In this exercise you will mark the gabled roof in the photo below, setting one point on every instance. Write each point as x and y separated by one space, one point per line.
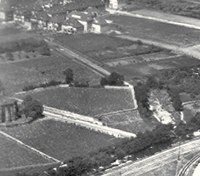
83 16
72 22
100 21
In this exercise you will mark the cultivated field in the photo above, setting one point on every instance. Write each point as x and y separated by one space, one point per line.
35 71
86 101
128 121
60 139
157 31
13 154
106 48
139 70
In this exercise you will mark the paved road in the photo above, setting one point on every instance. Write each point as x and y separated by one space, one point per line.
158 160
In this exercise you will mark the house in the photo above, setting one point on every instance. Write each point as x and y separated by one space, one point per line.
71 26
75 5
115 4
56 22
6 12
84 18
99 25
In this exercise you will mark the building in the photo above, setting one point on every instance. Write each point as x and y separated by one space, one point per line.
6 11
84 18
115 4
55 23
75 5
71 26
8 111
99 25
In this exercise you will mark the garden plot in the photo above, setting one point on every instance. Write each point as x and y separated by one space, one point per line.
139 70
60 139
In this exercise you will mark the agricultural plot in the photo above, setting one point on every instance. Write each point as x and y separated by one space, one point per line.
106 48
157 31
133 71
128 121
13 154
86 101
60 139
35 71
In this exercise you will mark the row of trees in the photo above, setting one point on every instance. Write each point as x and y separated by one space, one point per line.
27 45
113 79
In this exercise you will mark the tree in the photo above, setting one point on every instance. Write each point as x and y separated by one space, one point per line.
69 75
103 81
32 108
116 79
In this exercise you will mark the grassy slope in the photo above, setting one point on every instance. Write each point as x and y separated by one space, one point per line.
15 155
59 139
87 101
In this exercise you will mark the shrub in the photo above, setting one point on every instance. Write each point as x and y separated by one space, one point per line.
32 108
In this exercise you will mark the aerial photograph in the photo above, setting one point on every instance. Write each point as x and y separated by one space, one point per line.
99 87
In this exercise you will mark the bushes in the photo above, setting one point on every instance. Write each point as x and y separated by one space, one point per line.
42 85
27 45
114 79
32 108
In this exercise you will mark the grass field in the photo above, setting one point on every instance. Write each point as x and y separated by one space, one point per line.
59 139
157 31
15 155
86 101
35 71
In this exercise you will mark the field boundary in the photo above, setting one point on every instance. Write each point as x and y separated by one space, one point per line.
29 147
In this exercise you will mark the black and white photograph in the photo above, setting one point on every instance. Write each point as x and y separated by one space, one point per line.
99 87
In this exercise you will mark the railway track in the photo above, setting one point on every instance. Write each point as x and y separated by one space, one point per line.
183 171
